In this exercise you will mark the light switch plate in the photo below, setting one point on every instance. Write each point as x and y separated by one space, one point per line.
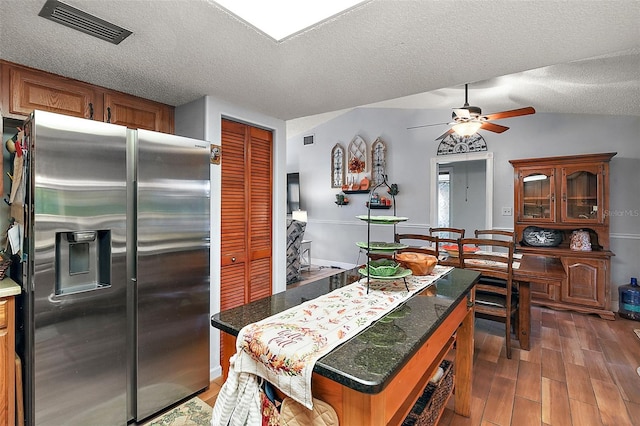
507 211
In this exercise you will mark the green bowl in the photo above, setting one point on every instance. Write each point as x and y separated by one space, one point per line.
383 267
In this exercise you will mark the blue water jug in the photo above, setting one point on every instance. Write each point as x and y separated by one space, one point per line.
630 300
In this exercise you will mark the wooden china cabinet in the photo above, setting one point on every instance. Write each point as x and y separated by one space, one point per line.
563 195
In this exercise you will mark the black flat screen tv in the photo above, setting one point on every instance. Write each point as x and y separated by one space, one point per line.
293 192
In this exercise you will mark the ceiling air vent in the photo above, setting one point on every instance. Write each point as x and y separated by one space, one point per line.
307 140
74 18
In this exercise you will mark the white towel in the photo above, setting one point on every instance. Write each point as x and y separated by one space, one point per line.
437 376
238 403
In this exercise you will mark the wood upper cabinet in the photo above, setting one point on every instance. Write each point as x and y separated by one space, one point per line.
24 89
536 199
567 194
563 193
137 113
28 89
582 193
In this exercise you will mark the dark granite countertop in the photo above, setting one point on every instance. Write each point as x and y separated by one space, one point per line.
369 361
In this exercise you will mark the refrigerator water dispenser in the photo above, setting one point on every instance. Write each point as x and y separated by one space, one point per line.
83 260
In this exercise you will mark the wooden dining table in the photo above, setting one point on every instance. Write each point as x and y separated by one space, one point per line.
533 269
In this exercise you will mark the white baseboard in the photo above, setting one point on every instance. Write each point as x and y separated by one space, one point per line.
215 372
330 263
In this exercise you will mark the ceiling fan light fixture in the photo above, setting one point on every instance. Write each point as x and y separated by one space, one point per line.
467 128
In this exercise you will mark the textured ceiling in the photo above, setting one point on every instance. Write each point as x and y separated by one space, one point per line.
558 56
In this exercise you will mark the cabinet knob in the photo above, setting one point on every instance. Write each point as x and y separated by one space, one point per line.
233 259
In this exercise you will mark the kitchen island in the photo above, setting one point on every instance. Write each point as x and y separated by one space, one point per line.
376 377
9 290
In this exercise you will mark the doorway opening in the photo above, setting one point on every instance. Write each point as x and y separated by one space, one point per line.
444 197
466 162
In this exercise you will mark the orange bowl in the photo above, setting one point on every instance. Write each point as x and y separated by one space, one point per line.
419 263
453 249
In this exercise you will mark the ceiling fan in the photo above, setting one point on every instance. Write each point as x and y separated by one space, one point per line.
467 119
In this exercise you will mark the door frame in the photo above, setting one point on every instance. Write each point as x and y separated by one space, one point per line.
455 158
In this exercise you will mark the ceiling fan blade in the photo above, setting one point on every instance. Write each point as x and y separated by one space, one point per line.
445 134
426 125
511 113
492 127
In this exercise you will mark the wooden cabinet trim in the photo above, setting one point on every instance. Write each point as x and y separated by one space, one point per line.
563 160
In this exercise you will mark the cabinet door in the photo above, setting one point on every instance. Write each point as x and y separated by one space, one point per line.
31 89
137 113
545 292
246 220
582 193
536 194
586 282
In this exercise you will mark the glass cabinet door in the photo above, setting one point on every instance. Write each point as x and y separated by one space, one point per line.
582 193
537 200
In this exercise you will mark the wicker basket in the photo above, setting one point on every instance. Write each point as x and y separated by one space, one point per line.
4 265
427 408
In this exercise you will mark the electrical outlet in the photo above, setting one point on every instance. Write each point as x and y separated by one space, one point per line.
507 211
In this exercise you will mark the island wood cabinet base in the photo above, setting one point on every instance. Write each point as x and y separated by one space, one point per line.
394 402
7 360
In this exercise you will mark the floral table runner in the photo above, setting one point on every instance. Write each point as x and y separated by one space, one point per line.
284 348
480 262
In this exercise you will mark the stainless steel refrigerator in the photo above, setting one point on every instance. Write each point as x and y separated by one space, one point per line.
115 271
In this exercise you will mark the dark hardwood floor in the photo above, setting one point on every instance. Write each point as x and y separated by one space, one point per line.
581 370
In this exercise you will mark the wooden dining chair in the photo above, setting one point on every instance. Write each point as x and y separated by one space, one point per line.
495 296
447 235
496 234
419 243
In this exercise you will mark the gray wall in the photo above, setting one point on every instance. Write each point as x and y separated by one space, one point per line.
334 230
467 186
